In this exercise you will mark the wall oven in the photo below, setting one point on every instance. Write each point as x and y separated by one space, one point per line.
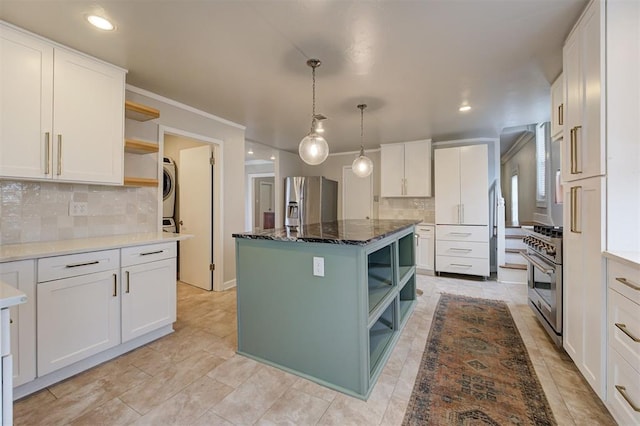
544 277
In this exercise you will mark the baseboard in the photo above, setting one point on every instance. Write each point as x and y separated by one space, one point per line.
228 284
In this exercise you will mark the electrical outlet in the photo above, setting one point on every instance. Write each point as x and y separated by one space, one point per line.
318 266
78 208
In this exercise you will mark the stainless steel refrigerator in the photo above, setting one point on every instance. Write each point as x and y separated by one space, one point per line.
309 199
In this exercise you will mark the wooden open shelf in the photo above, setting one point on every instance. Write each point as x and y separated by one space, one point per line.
140 112
134 146
137 181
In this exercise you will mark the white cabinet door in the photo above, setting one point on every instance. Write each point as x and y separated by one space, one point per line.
447 180
77 317
583 153
391 170
21 275
148 297
425 258
26 96
557 108
584 286
474 185
89 120
417 169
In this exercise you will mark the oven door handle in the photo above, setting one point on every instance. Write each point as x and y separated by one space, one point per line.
537 264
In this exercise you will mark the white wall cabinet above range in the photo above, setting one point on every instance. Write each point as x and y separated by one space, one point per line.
405 169
557 108
62 112
583 154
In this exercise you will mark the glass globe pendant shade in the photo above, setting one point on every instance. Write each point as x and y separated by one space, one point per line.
313 149
362 166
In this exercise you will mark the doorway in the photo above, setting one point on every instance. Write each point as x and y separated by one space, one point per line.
198 209
261 201
357 195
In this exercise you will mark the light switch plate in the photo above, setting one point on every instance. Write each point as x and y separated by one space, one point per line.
318 266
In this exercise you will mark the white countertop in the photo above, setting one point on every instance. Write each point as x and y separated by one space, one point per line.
9 296
631 258
12 252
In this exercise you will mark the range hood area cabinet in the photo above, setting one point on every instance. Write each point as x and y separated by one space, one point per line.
405 169
64 112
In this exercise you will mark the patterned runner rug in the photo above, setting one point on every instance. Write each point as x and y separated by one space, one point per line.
475 370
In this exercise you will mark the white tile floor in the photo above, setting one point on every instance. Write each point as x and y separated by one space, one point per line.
193 376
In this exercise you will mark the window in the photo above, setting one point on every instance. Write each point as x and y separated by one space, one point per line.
541 165
514 198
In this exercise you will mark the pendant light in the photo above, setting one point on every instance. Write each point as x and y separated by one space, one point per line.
313 148
362 166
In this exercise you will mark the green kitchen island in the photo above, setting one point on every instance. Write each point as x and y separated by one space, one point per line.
327 302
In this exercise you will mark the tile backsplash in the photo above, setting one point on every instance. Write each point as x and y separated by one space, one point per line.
423 209
39 211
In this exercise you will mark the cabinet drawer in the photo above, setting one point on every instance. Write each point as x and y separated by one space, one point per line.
425 230
623 381
462 233
624 327
624 279
73 265
462 249
462 265
148 253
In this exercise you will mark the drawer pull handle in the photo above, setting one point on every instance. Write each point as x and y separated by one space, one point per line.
115 285
128 289
151 252
623 328
459 249
627 283
623 392
460 234
461 265
75 265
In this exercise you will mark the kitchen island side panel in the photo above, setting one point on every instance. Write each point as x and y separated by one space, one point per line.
301 322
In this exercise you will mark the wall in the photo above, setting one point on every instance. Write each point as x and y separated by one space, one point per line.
187 119
39 211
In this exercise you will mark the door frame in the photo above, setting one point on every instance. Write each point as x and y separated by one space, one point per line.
250 194
217 146
349 169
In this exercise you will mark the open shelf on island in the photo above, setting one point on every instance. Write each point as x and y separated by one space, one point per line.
134 146
140 112
380 275
407 297
406 255
136 181
380 335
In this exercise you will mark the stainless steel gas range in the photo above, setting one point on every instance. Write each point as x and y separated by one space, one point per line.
544 277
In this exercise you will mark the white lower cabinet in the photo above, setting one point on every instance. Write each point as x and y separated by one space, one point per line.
623 326
462 249
21 275
148 289
77 317
425 247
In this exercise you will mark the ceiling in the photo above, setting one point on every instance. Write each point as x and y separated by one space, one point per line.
413 62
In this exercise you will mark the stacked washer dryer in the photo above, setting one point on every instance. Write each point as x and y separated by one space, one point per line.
169 184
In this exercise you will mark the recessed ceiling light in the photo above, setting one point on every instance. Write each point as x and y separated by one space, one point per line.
273 157
250 152
100 22
464 108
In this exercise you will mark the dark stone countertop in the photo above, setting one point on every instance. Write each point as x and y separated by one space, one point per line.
346 232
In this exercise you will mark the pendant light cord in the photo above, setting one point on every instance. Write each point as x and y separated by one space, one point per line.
362 107
313 99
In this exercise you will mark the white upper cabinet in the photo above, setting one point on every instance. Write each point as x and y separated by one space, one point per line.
557 108
26 101
62 112
406 169
462 180
583 153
